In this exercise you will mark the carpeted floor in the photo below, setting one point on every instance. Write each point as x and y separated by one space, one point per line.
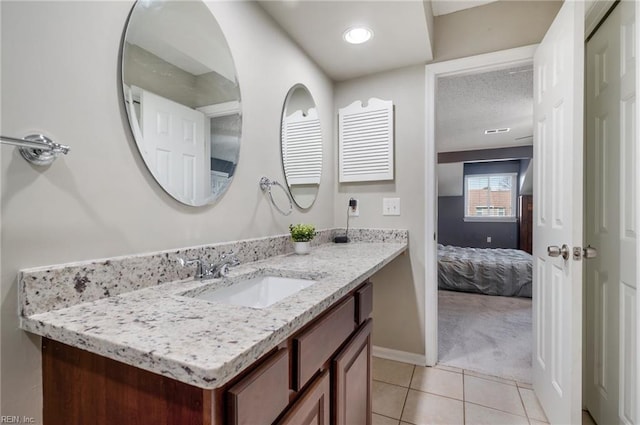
486 334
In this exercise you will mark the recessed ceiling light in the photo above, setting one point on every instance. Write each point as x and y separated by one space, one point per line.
357 35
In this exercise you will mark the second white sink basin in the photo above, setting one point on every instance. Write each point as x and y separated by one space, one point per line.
256 292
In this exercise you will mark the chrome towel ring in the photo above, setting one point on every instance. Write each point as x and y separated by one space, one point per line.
266 184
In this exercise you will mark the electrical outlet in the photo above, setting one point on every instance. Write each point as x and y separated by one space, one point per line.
390 206
354 211
488 239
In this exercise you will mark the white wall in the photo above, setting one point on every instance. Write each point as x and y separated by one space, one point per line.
62 78
399 287
495 26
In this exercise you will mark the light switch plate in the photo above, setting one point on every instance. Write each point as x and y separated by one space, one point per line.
390 206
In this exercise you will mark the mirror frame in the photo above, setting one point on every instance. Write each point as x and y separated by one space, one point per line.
211 198
282 117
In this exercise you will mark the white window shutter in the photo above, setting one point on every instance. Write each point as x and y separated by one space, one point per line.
302 148
366 141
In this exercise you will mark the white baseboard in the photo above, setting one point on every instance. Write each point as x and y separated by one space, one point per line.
399 356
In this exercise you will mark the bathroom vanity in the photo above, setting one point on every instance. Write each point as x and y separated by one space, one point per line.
294 381
161 355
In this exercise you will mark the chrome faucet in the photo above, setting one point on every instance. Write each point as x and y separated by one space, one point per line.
221 268
204 269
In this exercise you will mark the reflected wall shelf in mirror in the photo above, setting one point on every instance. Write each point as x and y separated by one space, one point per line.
301 146
182 98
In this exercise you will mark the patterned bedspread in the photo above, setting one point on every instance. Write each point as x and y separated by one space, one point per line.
488 271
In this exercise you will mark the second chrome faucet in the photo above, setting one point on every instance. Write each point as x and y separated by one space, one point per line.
217 269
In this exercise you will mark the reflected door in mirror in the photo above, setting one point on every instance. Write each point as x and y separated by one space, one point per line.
181 93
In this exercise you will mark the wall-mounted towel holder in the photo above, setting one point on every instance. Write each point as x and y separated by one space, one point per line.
37 148
266 184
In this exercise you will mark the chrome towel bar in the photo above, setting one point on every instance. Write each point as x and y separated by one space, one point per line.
37 148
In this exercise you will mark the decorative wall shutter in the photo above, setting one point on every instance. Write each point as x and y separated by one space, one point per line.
302 148
366 137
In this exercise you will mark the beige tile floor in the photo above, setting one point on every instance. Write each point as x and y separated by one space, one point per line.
404 394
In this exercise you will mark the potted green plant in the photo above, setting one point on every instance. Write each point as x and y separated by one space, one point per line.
301 235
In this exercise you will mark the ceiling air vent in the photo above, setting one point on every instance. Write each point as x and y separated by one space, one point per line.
497 130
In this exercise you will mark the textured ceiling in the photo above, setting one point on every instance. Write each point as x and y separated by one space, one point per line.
468 105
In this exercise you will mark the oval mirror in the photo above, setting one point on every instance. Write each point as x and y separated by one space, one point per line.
301 146
182 98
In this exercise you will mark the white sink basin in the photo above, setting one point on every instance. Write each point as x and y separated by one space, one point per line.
257 292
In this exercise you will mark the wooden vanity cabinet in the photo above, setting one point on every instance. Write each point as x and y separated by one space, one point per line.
319 376
351 369
313 346
314 407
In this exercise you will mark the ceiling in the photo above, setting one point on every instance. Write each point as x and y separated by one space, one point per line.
163 35
401 34
468 105
444 7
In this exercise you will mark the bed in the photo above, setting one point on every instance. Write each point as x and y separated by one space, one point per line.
505 272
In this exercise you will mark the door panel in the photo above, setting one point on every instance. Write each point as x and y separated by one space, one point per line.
558 197
628 382
611 205
352 380
175 146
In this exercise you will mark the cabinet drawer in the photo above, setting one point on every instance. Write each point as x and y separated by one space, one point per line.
260 397
314 346
364 303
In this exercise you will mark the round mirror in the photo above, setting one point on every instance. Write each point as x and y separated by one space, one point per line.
182 98
301 146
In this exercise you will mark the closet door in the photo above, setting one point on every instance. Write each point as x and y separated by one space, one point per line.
610 283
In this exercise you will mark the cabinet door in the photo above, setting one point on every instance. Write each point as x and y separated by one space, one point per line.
352 380
313 407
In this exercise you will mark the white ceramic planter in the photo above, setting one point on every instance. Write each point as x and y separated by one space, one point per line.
301 248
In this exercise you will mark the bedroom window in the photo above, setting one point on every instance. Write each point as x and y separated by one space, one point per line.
490 197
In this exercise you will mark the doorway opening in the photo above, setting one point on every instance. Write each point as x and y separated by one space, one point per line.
484 136
519 58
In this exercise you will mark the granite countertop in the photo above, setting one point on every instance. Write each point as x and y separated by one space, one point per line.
204 343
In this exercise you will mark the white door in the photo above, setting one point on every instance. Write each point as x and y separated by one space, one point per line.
558 211
175 146
610 176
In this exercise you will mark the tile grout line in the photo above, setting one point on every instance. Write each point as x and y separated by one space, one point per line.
523 406
526 416
498 410
388 417
464 400
413 372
